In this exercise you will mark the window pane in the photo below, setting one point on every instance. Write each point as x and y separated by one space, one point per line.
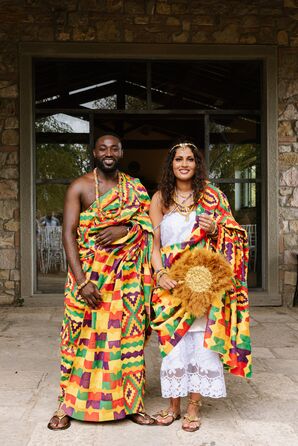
55 161
50 256
234 147
244 200
234 161
61 123
136 103
107 103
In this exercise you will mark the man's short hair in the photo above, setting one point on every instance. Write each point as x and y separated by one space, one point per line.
101 134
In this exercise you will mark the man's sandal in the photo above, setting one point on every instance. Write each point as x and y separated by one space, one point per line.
60 415
192 419
166 413
141 418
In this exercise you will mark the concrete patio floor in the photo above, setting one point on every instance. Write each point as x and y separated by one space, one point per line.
258 412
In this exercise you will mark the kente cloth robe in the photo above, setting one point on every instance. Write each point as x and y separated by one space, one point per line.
102 350
227 328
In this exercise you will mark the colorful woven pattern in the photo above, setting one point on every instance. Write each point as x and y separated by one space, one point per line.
227 329
102 350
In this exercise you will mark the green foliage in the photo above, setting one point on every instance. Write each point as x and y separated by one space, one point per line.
61 161
225 159
57 161
50 198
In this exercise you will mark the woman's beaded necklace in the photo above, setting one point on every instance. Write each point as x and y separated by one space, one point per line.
181 208
176 208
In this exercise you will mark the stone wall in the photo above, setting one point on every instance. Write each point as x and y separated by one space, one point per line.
266 22
288 166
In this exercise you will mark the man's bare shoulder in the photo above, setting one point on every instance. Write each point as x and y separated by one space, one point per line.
84 180
82 183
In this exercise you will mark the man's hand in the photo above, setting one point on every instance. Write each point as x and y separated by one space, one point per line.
91 295
110 235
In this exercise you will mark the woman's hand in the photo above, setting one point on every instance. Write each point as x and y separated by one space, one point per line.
110 235
207 223
166 282
91 295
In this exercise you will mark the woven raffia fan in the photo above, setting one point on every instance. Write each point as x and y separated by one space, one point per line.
203 276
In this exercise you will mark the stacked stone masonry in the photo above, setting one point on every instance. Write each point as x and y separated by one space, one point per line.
264 22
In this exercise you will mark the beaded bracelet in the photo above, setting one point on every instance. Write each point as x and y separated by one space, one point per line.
83 284
159 273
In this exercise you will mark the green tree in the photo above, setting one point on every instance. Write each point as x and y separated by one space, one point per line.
56 161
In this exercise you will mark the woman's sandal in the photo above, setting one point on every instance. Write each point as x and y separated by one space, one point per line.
59 414
166 413
192 419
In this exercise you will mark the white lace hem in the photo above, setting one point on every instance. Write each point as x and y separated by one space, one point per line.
190 368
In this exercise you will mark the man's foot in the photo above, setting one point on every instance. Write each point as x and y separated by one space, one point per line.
166 417
191 420
59 421
141 418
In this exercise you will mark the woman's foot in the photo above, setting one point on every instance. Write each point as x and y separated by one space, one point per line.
191 420
165 417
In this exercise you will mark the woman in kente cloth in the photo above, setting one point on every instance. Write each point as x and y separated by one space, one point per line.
187 212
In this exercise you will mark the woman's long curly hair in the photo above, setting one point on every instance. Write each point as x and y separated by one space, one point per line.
167 183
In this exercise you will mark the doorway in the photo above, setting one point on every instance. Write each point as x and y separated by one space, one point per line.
148 104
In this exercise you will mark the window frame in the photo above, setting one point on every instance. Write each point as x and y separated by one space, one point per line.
269 295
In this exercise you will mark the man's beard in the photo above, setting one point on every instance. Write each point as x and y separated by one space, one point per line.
107 169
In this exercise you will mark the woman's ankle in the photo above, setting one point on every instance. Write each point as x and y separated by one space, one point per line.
194 403
175 404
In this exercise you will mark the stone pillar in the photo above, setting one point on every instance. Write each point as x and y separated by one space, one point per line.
9 174
288 167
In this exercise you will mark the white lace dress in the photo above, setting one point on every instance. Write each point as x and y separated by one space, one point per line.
189 367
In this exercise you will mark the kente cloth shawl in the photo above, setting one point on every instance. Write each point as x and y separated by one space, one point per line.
227 328
102 350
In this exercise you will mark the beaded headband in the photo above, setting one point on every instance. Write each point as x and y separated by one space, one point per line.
184 145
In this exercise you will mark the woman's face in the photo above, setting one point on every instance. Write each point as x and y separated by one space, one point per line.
184 165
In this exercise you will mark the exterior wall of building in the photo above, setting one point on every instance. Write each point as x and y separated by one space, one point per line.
265 22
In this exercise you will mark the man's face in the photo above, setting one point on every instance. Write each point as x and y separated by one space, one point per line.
107 153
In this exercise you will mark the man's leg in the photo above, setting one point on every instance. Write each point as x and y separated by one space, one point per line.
70 331
132 347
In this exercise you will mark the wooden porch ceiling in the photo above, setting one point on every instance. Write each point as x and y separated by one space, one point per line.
174 85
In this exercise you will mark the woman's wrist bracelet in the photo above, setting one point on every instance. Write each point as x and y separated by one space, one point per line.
160 270
159 273
81 285
160 276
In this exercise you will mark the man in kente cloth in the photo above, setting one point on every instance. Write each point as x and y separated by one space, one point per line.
107 236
